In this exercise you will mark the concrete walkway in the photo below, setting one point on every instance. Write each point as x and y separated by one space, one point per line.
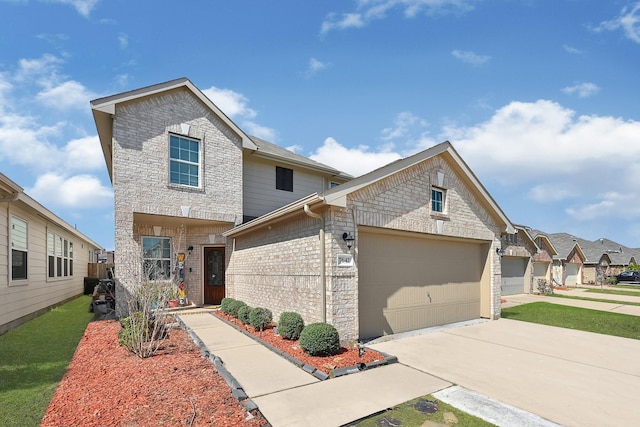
288 396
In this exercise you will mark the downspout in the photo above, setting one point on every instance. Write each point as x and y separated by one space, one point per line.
323 279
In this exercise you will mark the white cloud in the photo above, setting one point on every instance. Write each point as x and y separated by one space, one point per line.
470 57
83 7
583 90
368 11
79 191
123 40
83 154
232 103
235 105
355 161
628 21
47 65
572 50
314 67
405 124
65 96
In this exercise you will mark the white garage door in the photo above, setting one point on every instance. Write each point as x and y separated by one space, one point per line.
513 275
571 274
409 281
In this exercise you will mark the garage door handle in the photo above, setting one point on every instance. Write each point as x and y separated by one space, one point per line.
429 296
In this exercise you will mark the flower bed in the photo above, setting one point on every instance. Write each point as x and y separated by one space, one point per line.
348 360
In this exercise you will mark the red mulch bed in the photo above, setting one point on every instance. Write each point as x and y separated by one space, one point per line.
347 356
105 384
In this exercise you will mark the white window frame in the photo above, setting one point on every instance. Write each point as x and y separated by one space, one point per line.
148 262
19 246
59 256
185 162
442 202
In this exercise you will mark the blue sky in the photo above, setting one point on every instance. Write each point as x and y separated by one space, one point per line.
539 97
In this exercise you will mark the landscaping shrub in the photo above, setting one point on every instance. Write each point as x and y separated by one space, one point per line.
260 318
290 325
224 304
320 339
135 329
234 306
243 314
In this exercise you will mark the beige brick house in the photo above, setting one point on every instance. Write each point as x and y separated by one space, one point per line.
410 245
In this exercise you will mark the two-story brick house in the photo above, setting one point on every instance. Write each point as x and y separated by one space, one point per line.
410 245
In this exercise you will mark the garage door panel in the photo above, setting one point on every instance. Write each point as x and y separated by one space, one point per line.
407 283
513 275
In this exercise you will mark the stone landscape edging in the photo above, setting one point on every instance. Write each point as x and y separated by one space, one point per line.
321 375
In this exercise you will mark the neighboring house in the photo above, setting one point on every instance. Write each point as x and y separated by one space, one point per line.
410 245
569 260
518 250
542 260
43 260
183 173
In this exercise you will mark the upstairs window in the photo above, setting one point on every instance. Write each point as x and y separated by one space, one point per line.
19 240
284 179
437 200
184 161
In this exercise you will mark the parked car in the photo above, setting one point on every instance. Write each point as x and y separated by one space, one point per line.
628 276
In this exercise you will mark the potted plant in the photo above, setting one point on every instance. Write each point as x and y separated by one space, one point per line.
173 296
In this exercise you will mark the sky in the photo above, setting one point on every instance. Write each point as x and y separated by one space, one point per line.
540 97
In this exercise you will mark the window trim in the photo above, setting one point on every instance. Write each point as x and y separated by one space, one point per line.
24 251
284 179
156 259
442 202
180 161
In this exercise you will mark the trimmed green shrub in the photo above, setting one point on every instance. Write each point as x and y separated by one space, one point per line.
320 339
224 305
290 325
260 318
243 314
135 331
234 306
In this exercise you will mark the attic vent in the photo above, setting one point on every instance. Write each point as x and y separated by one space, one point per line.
185 128
440 176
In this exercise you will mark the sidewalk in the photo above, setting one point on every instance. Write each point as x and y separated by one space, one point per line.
513 300
288 396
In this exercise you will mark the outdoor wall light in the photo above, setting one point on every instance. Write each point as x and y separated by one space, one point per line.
349 239
190 249
500 251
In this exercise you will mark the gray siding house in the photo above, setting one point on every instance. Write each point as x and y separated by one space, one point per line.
43 259
410 245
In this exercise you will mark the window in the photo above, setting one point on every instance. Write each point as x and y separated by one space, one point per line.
437 200
284 179
156 257
59 256
333 184
19 238
184 161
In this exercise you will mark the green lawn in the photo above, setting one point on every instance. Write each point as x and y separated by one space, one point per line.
614 292
601 322
408 415
556 295
33 359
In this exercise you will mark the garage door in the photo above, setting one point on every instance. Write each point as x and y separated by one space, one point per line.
540 272
513 275
408 282
571 274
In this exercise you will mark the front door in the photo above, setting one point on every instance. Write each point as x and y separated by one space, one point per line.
213 275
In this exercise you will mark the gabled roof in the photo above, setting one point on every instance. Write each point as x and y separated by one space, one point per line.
565 244
15 194
524 232
275 152
618 254
537 234
337 196
104 108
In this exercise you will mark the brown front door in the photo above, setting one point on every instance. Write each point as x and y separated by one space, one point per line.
213 275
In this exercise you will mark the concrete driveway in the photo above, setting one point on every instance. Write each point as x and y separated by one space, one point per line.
570 377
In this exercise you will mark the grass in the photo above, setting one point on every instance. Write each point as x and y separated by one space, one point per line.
614 292
601 322
595 299
410 416
33 359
